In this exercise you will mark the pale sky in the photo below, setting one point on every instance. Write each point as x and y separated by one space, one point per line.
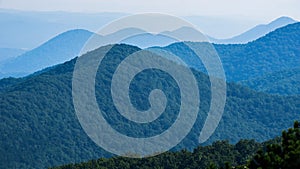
264 10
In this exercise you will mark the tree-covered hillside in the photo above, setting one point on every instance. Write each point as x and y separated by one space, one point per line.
286 82
39 127
283 152
277 51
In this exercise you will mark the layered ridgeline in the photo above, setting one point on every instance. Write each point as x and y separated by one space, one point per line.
39 127
256 32
38 26
57 50
276 52
248 64
6 53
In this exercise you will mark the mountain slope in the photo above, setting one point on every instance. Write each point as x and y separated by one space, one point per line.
286 82
39 127
6 53
282 44
275 52
256 32
38 26
57 50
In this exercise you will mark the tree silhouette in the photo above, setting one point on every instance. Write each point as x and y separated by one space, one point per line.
284 155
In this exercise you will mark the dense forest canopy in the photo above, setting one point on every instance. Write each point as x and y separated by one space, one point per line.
40 129
280 152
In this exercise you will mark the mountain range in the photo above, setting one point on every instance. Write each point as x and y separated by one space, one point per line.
57 50
275 52
7 53
38 122
38 27
40 129
69 44
256 32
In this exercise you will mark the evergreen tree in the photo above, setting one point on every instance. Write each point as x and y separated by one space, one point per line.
284 155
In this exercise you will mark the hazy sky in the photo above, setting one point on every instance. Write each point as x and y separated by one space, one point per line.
264 10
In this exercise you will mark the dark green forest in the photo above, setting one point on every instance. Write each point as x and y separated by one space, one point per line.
280 152
284 82
275 54
40 129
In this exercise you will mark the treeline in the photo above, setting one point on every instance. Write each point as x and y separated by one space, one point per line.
281 152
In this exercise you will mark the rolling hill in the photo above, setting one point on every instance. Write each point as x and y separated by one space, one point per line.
39 127
277 51
256 32
55 51
39 26
6 53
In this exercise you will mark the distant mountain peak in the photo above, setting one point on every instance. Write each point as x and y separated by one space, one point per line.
257 31
74 31
281 21
58 49
283 18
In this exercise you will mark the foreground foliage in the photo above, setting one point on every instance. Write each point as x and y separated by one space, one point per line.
274 154
285 154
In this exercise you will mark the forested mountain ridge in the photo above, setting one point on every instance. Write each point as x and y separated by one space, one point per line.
277 51
256 32
40 128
